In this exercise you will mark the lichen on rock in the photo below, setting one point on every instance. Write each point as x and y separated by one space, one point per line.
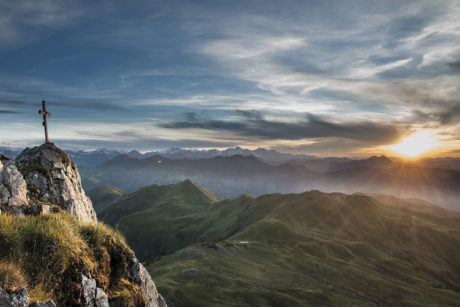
51 177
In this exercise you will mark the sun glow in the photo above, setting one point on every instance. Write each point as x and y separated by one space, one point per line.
416 144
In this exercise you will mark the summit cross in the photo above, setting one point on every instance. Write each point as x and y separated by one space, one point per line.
45 123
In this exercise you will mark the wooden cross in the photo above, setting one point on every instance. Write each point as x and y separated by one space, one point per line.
45 123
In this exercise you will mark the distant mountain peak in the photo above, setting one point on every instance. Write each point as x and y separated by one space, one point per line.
381 158
191 186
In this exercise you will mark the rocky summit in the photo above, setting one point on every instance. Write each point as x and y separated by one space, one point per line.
53 178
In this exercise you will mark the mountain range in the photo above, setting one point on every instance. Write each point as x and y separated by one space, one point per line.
234 175
305 249
96 157
92 158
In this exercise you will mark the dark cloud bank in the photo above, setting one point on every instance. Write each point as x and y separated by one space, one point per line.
254 125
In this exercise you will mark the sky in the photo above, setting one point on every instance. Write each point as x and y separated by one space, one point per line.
330 78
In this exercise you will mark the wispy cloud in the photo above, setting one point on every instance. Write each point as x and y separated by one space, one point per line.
366 72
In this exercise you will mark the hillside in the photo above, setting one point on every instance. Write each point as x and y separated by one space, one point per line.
311 248
164 218
104 196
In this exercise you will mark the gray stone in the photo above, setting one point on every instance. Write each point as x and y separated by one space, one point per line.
49 303
89 289
13 188
18 298
52 177
139 275
94 297
101 298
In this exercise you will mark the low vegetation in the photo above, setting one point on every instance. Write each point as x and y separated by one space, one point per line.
48 253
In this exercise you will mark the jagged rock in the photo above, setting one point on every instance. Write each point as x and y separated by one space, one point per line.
49 303
138 274
94 297
52 177
13 188
18 298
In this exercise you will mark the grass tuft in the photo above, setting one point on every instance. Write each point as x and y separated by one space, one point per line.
11 276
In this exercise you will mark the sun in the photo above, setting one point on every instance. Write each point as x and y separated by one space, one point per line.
415 145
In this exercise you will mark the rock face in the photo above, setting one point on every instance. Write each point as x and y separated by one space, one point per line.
51 177
13 188
139 274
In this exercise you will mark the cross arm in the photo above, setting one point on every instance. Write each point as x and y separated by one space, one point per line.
44 113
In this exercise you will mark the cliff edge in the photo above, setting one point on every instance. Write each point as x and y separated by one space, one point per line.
53 249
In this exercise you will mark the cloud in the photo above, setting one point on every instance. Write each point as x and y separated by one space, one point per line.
12 103
252 114
133 139
364 71
26 21
312 127
454 65
8 112
445 117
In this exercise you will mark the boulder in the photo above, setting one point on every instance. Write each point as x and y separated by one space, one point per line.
52 178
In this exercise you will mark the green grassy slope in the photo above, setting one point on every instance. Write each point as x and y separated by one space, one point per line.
162 218
291 250
103 196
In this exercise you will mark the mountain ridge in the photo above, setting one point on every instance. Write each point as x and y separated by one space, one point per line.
231 176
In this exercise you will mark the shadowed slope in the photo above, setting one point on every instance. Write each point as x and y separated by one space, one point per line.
104 196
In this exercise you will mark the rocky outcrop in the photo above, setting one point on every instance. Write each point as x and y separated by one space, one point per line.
139 275
52 178
13 188
18 298
94 297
